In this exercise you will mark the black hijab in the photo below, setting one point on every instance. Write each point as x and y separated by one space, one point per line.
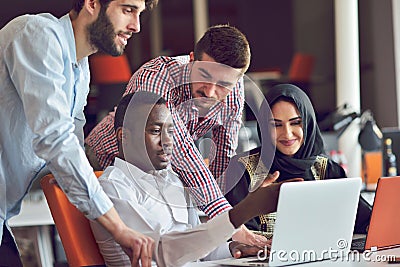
299 165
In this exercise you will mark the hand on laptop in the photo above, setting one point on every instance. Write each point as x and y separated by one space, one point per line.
245 236
265 199
240 250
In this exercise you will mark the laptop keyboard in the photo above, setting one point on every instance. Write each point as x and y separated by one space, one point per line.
264 260
358 244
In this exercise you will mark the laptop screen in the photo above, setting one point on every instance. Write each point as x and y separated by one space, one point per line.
384 230
315 221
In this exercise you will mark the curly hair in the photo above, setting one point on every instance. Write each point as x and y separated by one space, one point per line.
226 45
134 101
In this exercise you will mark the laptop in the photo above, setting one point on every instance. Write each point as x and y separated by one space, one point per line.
313 217
383 230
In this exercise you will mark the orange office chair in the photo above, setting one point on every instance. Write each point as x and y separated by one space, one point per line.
300 71
299 74
301 67
372 168
73 227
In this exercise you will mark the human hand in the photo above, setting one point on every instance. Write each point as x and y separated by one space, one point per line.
260 182
137 246
265 199
240 250
262 201
245 236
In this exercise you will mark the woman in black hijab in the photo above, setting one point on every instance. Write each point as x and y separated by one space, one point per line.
309 161
287 122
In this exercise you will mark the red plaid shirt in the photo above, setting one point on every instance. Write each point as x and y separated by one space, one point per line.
168 77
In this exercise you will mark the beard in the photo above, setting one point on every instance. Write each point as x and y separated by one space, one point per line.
102 35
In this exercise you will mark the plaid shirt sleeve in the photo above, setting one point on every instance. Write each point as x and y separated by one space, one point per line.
225 137
103 142
189 165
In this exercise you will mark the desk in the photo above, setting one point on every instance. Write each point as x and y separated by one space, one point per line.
35 213
373 261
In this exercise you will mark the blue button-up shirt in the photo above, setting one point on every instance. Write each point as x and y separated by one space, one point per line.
43 92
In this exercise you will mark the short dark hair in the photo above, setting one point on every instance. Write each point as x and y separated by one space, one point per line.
226 45
78 4
136 100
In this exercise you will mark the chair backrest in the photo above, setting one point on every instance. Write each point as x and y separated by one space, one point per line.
73 227
372 168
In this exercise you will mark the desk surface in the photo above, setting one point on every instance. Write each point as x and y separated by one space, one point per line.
34 211
372 259
369 196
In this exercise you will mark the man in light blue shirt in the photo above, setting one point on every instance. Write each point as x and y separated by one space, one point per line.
44 78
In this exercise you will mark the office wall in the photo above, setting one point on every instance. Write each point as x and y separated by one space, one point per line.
14 8
313 23
378 85
314 33
266 23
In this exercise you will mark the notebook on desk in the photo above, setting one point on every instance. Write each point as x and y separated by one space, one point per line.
312 217
384 226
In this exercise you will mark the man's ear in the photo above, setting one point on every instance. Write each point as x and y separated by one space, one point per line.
91 5
191 55
119 134
125 136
